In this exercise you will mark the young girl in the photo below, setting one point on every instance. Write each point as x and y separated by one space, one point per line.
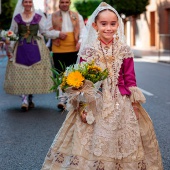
122 137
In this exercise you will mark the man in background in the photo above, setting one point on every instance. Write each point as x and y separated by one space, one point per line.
65 48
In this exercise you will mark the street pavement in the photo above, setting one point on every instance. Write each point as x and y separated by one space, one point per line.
25 137
152 55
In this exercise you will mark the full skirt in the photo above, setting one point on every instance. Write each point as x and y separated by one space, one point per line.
35 79
70 149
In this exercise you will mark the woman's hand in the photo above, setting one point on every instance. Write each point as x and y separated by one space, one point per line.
9 55
1 43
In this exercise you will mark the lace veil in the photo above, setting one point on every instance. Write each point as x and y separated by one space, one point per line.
90 34
19 8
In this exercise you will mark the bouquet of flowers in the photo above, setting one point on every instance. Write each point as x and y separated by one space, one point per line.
10 38
81 84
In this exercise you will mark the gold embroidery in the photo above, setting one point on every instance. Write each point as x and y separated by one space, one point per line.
108 59
99 165
60 158
74 160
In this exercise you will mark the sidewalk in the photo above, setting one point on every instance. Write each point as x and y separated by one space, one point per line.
152 55
149 55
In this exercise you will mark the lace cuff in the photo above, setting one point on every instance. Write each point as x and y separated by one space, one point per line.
136 95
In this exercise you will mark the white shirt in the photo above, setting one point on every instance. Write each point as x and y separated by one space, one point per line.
43 29
67 25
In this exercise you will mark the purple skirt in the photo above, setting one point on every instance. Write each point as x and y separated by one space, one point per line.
27 53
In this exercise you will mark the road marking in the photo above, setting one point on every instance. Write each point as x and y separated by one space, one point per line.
146 92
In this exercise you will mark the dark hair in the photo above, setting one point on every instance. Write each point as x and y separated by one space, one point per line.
95 19
24 0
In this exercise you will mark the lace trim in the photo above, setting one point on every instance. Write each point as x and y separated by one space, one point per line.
61 160
121 51
115 136
136 95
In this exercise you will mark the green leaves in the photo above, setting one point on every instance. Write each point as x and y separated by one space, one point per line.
128 8
86 7
57 78
89 71
7 7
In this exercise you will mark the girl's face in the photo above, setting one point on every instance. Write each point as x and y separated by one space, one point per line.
106 24
27 4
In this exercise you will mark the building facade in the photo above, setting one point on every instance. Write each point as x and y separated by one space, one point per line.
151 29
50 6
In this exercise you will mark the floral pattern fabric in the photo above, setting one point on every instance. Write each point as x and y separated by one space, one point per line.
35 79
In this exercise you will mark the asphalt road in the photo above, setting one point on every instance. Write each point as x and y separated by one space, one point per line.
155 79
25 137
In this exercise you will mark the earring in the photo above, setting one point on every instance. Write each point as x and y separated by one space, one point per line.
116 36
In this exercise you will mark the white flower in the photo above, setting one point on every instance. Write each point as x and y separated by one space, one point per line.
90 118
76 66
97 85
3 33
69 106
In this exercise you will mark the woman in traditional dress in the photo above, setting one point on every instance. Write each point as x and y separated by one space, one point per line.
29 71
122 136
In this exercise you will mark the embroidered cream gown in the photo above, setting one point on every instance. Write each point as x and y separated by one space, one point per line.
117 140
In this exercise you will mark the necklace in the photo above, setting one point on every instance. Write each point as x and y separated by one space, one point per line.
110 75
107 61
27 15
106 44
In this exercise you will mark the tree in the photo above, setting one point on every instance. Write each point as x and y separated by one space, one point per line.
7 7
86 7
128 8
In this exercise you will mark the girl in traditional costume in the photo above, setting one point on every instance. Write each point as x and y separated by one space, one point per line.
122 136
29 72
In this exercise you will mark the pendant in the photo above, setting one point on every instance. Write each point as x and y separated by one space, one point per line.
117 105
106 48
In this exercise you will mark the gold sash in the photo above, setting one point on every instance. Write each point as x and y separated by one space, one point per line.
67 45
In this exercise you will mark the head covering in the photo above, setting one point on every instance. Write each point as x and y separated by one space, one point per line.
19 8
90 34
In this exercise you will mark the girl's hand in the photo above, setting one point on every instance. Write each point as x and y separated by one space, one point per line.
83 116
136 109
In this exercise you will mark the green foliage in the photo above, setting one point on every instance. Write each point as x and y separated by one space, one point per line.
57 78
7 7
128 8
86 7
88 71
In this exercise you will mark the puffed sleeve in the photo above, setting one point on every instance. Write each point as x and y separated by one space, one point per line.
45 26
14 26
82 27
130 81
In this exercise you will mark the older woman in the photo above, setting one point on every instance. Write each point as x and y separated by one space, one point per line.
29 72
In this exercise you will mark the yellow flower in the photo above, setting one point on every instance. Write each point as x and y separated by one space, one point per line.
94 68
75 79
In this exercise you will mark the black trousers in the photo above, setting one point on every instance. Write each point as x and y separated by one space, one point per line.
66 59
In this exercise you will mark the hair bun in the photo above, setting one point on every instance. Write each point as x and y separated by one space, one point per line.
103 4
